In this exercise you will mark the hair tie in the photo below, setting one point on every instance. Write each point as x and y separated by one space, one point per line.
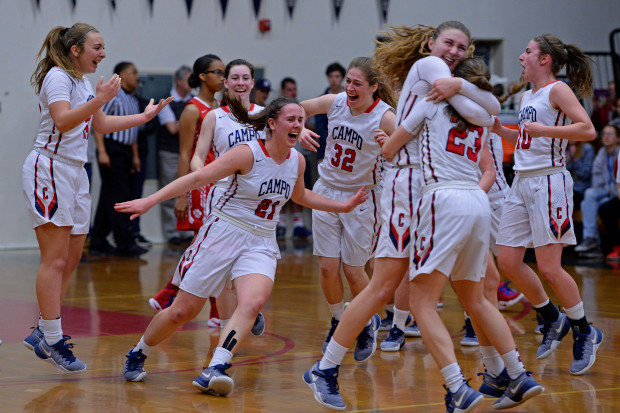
64 31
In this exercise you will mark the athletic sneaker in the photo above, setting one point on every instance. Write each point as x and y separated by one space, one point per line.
34 338
259 325
553 333
518 391
331 333
464 400
386 323
539 324
395 341
413 330
589 244
60 355
162 299
470 339
507 297
134 366
367 340
584 349
324 385
214 380
494 386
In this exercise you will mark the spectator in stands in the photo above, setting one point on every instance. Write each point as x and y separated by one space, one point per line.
603 102
335 75
168 151
610 214
602 190
579 156
262 87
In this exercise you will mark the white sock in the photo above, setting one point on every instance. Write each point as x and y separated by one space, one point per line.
453 376
575 313
220 356
337 310
513 363
400 318
334 353
52 330
541 305
41 322
466 315
492 361
223 323
146 349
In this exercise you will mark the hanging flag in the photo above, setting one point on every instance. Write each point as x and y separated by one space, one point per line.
337 7
151 6
38 4
290 4
73 2
384 5
256 4
113 3
224 4
188 3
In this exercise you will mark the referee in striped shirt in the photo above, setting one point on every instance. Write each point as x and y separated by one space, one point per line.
118 159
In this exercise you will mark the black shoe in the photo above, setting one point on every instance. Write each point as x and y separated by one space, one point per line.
175 241
142 242
132 251
101 250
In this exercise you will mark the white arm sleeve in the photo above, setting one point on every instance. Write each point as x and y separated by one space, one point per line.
473 104
421 111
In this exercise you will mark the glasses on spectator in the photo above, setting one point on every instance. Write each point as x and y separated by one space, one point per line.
216 72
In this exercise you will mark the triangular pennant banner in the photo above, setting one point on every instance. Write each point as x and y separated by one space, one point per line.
337 7
38 4
73 3
224 4
384 5
113 3
151 6
188 3
290 5
256 4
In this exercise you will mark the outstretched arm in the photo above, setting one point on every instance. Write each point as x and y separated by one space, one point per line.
203 145
307 198
108 124
239 159
311 107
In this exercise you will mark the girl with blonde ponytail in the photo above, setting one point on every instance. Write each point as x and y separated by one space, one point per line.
55 183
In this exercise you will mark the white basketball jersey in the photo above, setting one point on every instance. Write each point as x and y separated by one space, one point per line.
417 84
57 86
229 133
543 152
497 154
446 153
352 156
257 197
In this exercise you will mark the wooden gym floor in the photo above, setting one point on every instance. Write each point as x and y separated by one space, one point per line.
106 311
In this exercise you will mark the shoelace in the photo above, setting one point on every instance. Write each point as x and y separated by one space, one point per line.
393 334
135 360
332 383
64 348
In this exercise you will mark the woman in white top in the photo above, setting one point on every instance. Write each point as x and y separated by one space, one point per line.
237 244
55 184
359 119
538 212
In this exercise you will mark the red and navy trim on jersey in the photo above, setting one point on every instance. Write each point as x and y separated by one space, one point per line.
426 136
400 242
500 180
46 211
417 260
560 120
188 257
558 229
232 188
407 110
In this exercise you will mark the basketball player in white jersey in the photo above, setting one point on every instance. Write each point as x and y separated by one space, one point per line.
538 212
54 180
191 210
448 43
451 239
358 119
237 244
